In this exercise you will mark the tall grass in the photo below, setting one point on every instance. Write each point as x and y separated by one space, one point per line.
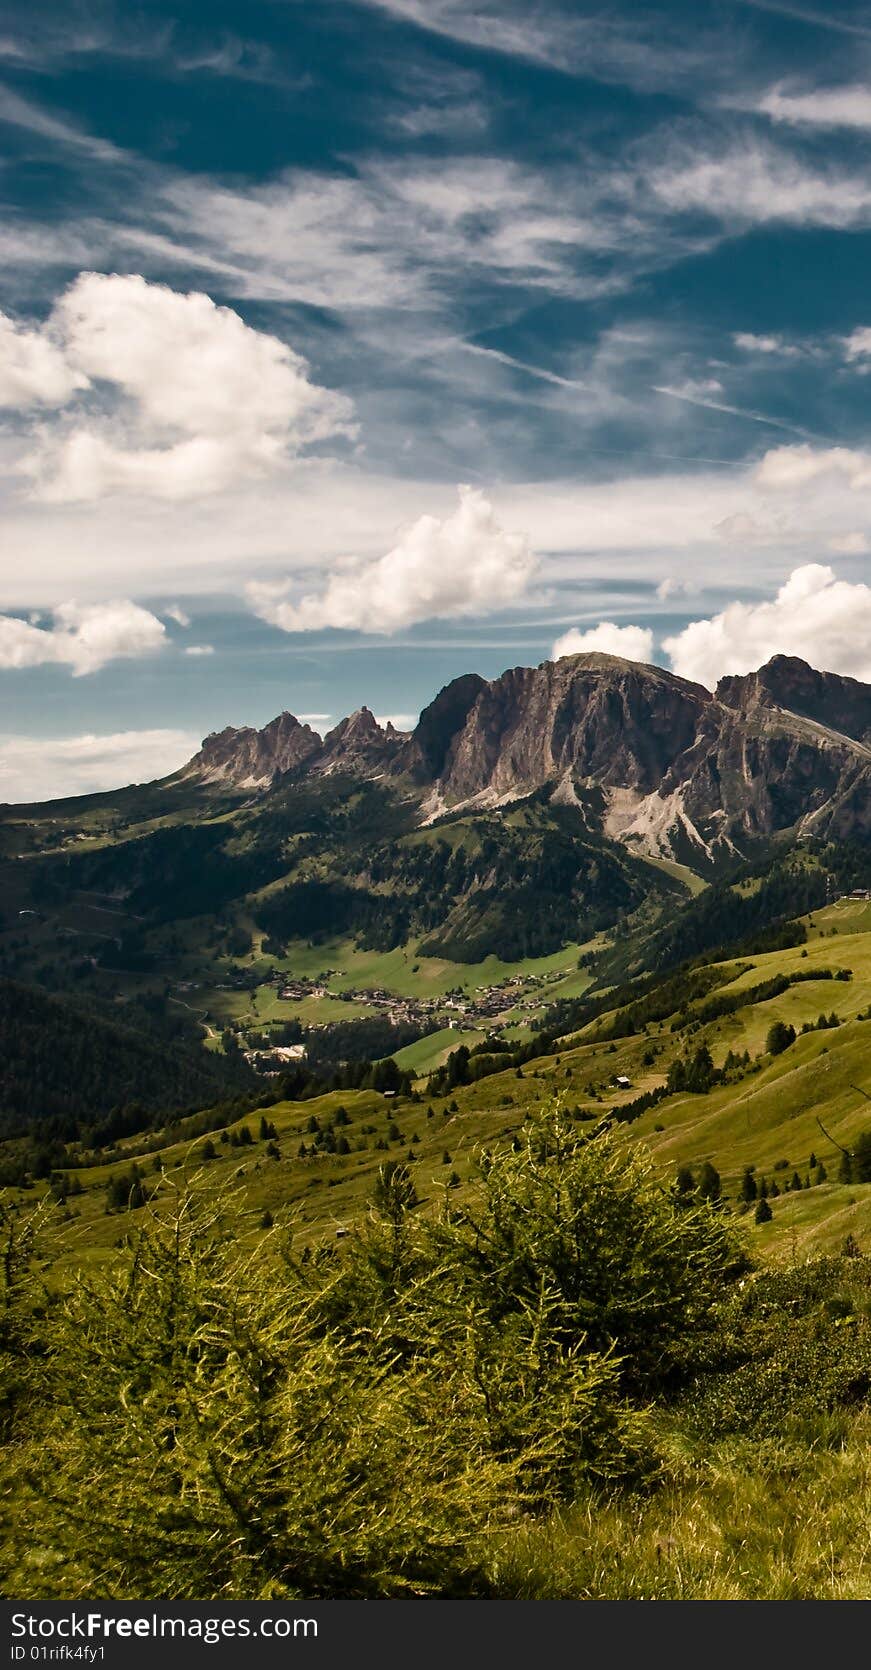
774 1521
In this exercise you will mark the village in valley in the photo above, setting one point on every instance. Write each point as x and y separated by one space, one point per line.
492 1007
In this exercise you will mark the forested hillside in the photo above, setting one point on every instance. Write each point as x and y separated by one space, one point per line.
63 1066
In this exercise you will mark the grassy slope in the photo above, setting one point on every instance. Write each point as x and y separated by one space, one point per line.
771 1115
768 1118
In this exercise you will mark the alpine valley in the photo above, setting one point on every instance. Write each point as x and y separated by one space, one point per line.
589 940
290 913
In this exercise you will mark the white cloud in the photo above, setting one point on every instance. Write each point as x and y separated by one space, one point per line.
633 643
44 768
854 544
33 369
21 113
752 344
178 614
610 44
753 184
857 345
466 564
82 638
789 467
197 400
704 394
824 620
826 107
411 236
399 721
673 586
200 649
189 364
305 521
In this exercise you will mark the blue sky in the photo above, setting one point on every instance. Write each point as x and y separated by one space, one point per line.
347 346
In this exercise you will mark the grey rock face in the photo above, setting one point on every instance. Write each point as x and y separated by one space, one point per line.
247 758
683 773
650 759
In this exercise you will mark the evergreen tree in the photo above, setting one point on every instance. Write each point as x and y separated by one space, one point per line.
862 1158
780 1036
394 1191
710 1187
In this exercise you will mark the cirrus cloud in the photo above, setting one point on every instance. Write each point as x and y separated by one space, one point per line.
848 106
816 616
465 564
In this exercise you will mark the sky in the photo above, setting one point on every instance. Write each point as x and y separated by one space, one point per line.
347 347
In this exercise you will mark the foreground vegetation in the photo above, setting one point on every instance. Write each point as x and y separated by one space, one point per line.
565 1379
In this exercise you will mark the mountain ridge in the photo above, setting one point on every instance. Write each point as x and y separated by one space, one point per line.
663 765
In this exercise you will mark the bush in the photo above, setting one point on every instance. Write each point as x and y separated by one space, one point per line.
206 1440
573 1257
222 1422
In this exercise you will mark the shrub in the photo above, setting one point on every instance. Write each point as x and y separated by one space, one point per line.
571 1256
224 1422
207 1440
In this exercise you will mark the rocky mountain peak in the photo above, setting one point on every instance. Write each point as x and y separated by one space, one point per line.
589 716
841 704
648 758
359 742
248 758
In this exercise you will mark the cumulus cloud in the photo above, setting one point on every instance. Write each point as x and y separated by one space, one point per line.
675 586
193 399
824 620
82 638
200 649
633 643
33 370
788 467
466 564
43 768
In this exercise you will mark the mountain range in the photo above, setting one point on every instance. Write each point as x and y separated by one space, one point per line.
650 760
590 807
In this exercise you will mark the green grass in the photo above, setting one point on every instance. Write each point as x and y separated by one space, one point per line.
429 1052
778 1520
771 1115
408 974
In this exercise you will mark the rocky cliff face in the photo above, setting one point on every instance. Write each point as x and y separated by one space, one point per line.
837 703
359 744
587 718
683 773
649 759
251 759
